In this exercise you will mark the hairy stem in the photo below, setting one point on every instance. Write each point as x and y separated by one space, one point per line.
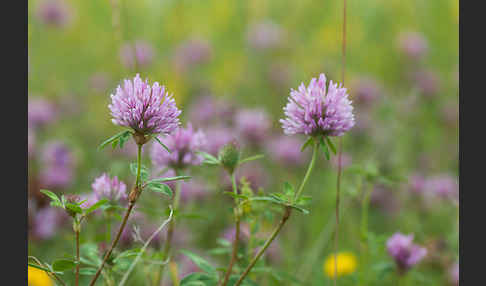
237 233
132 200
285 217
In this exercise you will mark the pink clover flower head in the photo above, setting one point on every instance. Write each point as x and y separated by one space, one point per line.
111 189
183 144
312 110
405 253
144 108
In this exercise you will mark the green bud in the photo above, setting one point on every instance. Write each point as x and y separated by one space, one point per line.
229 155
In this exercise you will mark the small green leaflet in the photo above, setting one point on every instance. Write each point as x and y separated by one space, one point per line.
160 188
331 145
51 195
63 265
288 189
95 206
198 279
75 208
201 263
87 271
324 148
115 139
127 253
162 144
144 173
169 179
256 157
209 159
309 141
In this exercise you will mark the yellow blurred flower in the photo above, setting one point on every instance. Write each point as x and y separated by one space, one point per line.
346 264
37 277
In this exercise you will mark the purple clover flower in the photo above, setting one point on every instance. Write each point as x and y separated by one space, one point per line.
286 150
183 143
312 111
47 222
217 137
190 53
444 186
366 91
265 35
40 112
111 189
207 109
413 45
426 81
54 13
253 125
404 252
144 108
417 184
58 162
140 53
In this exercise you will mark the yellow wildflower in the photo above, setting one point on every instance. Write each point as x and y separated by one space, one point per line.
37 277
346 264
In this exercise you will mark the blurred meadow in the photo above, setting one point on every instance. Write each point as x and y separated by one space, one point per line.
230 66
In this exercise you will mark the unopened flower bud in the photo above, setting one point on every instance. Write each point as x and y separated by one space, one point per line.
229 156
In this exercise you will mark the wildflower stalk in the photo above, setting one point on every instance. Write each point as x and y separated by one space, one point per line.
170 230
364 228
76 232
237 213
131 203
285 217
338 183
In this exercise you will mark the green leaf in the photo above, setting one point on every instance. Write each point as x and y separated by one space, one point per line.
87 271
127 253
51 195
252 158
56 204
308 142
63 265
198 279
382 269
160 188
144 173
74 208
209 159
124 138
112 139
304 211
201 263
169 179
324 148
96 206
288 189
162 144
236 196
331 145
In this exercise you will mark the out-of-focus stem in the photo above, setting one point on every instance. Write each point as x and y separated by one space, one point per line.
234 254
170 230
338 187
77 255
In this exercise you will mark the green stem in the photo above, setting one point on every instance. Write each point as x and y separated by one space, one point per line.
170 230
234 254
77 254
364 229
139 165
309 170
285 217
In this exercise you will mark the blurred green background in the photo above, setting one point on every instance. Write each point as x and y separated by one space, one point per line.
412 127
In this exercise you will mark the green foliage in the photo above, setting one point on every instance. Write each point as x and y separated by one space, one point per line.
144 171
62 265
201 263
117 139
